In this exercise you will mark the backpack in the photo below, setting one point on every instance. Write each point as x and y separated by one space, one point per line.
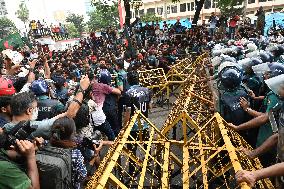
54 166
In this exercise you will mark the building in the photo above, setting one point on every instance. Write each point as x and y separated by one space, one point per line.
88 6
3 8
186 8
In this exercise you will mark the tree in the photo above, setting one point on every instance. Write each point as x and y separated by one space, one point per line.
104 15
231 7
72 30
7 27
23 13
150 18
77 20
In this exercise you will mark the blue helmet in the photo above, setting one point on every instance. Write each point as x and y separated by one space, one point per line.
231 77
256 61
104 76
276 69
39 87
265 57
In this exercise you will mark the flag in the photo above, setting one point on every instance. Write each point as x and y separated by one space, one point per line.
11 42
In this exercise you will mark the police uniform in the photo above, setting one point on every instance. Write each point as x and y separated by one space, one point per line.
265 130
48 108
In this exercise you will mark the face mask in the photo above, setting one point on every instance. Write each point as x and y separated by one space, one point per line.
35 114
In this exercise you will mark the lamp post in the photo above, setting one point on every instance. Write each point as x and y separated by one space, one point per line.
215 3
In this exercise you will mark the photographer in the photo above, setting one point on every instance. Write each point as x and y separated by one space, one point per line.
24 108
11 176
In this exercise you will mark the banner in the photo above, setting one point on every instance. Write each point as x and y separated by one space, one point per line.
120 14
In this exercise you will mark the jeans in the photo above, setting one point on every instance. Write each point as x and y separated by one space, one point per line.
232 31
106 129
212 31
112 118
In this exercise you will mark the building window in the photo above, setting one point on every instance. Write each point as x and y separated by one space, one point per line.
207 4
174 8
251 1
188 7
214 3
168 10
151 11
141 12
192 6
160 10
182 7
262 0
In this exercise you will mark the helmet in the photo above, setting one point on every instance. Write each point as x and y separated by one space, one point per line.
254 40
216 53
104 76
231 77
251 47
39 87
245 63
265 57
6 87
274 50
228 64
276 69
252 54
227 58
256 61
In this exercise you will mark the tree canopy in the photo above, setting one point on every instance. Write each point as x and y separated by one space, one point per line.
23 12
231 7
104 15
77 20
150 17
72 30
7 27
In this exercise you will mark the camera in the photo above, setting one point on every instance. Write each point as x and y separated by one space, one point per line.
21 131
89 142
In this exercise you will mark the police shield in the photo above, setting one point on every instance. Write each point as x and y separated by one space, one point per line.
275 83
260 69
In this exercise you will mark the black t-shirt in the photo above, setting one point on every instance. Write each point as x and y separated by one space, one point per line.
138 97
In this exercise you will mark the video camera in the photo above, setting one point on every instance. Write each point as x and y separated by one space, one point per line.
21 131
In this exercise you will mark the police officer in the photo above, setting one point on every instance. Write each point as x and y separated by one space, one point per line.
231 91
137 97
276 117
270 100
47 107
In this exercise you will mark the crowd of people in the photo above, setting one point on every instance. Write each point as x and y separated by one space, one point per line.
40 29
64 106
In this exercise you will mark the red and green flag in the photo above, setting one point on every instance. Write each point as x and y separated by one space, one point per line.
12 41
